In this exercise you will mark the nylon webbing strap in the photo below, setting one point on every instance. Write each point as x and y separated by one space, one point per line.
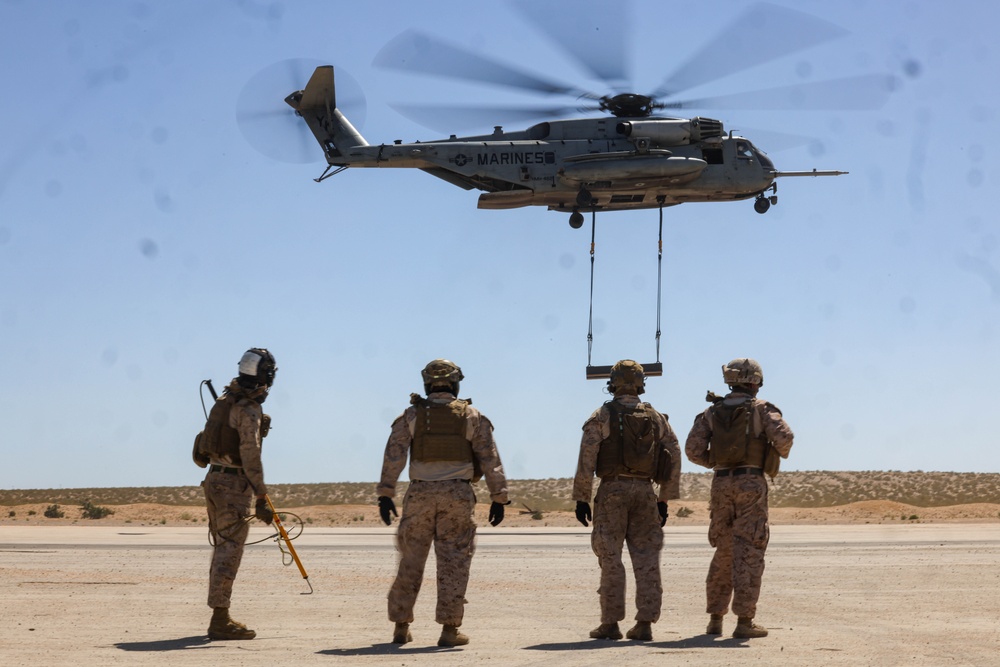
590 323
659 284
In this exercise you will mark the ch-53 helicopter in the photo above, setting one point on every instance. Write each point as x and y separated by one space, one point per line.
631 158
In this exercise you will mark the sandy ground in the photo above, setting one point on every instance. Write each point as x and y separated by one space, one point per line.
912 594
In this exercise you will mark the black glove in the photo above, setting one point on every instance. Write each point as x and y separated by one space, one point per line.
385 505
262 511
662 508
583 514
496 513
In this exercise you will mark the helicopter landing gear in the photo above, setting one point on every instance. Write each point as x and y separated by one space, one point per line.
762 203
583 200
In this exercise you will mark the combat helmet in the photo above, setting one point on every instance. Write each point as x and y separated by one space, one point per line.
743 372
441 374
625 375
257 368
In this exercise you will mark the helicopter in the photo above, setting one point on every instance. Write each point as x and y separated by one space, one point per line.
629 158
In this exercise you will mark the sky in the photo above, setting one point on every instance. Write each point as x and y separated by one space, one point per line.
146 243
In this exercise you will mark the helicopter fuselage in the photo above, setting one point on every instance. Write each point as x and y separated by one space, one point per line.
550 163
608 163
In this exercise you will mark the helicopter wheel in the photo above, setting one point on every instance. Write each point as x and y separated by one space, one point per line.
584 198
761 205
576 220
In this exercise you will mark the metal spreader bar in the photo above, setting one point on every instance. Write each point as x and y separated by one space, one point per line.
604 372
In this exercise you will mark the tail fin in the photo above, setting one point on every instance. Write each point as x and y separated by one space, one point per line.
317 105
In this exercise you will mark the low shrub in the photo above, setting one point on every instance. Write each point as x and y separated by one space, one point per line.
92 511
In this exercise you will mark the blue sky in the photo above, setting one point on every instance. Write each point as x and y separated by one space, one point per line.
145 244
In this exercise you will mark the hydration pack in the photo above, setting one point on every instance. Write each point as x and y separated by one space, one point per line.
736 439
632 447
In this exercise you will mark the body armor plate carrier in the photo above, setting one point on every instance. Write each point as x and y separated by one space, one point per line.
738 439
219 440
439 434
633 447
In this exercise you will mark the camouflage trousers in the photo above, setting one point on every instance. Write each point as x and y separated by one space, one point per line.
739 531
442 513
228 498
625 512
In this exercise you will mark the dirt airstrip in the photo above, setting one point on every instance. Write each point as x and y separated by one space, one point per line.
873 583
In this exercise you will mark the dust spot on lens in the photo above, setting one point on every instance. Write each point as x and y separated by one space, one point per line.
907 305
149 248
159 135
164 202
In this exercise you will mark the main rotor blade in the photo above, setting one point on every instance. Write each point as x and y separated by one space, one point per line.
857 93
412 51
450 118
763 33
587 31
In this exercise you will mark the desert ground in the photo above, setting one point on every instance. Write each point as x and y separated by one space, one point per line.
846 594
865 582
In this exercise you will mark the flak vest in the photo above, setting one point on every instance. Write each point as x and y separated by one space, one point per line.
219 440
632 447
439 432
737 438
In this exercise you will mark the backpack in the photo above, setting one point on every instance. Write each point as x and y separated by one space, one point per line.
732 429
641 452
218 437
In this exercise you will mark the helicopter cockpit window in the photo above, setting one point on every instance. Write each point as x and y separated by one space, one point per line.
743 150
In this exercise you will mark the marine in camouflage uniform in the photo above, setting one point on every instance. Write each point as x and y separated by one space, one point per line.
626 509
739 528
235 475
448 443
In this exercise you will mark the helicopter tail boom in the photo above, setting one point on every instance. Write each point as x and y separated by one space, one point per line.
317 105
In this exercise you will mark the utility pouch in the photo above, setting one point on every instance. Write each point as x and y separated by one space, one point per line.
664 467
772 461
200 458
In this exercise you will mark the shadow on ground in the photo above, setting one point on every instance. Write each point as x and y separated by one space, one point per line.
385 649
698 641
197 641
